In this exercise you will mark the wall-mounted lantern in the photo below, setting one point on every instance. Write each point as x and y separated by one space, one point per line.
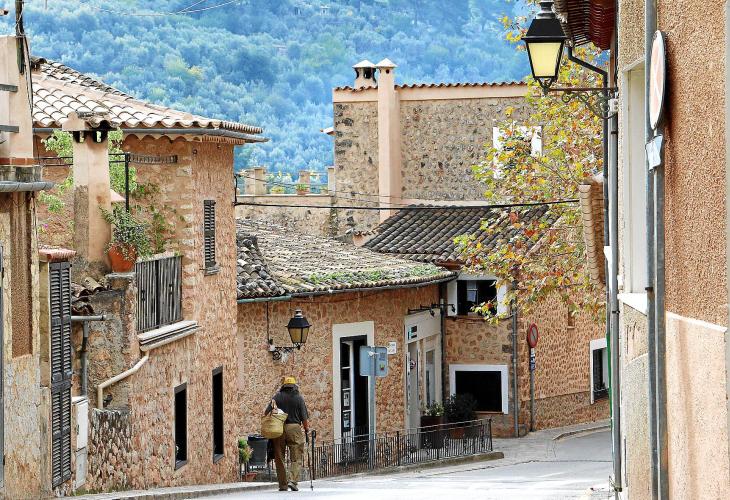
544 41
298 327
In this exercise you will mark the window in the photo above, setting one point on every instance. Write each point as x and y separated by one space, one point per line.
634 184
61 371
487 383
599 369
470 293
159 292
209 235
181 425
217 414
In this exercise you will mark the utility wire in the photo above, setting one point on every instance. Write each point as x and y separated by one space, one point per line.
373 195
342 196
411 207
187 10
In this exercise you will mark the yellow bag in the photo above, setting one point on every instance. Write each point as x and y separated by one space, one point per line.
272 424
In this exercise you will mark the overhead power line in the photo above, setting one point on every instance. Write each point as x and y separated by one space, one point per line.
410 207
187 10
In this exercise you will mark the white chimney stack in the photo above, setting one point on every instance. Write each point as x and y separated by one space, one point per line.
364 74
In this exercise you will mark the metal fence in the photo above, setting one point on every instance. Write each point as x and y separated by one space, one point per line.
354 454
159 292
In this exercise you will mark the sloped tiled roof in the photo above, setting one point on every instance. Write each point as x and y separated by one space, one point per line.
254 278
428 235
303 263
59 90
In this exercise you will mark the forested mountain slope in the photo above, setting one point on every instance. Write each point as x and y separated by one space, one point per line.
271 63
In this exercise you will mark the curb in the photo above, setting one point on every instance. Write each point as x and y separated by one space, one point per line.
193 492
587 430
186 492
434 464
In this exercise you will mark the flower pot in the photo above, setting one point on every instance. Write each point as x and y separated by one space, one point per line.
249 476
433 433
301 192
457 433
120 263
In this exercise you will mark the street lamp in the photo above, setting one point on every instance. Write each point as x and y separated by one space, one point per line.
298 327
545 40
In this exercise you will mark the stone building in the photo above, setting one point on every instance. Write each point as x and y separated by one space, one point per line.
25 395
153 350
571 374
397 144
353 297
689 335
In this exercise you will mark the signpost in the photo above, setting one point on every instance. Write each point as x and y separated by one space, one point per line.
373 363
657 98
532 337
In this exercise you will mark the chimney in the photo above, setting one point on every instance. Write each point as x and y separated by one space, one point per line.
364 74
16 146
92 190
389 137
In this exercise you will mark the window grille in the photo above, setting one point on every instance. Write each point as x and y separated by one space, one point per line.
159 292
209 234
61 370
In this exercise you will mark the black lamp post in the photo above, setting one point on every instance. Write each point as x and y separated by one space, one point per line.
545 39
298 327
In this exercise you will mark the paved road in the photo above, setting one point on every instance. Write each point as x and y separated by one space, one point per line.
534 468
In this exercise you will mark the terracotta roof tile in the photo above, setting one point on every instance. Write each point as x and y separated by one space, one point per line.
428 235
282 262
59 90
438 85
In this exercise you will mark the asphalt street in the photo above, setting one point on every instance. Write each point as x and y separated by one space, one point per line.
570 468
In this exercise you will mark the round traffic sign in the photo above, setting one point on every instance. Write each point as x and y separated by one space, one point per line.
532 335
657 80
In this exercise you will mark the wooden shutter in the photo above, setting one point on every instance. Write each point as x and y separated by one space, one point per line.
61 370
209 233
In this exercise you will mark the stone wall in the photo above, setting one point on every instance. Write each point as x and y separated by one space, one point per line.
26 403
562 376
203 172
443 139
259 376
321 221
113 461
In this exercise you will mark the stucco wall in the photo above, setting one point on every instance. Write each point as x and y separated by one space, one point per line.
259 376
695 160
26 407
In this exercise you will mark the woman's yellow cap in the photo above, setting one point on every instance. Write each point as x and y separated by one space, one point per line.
288 380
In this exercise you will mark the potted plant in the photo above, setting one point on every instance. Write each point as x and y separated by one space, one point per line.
302 189
460 408
129 239
432 423
244 455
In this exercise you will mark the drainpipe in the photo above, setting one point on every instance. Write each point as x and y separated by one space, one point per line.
515 385
100 388
614 310
85 320
610 233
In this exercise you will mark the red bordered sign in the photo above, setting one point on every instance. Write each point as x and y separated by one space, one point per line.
657 80
532 336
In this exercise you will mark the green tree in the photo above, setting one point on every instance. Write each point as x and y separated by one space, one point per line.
545 255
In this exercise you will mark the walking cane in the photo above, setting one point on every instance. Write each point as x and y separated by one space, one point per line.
310 453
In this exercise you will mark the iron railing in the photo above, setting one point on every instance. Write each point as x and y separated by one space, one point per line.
159 292
355 454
